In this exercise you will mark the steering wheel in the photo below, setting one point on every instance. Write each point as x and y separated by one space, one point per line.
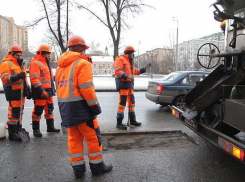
206 55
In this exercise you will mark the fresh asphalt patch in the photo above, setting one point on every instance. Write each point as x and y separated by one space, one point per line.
146 140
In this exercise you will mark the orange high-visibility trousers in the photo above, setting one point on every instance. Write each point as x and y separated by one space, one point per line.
89 131
40 105
14 111
124 97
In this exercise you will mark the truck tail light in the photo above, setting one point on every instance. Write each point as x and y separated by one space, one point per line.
232 149
159 87
175 113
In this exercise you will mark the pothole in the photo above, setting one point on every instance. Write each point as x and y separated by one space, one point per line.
145 140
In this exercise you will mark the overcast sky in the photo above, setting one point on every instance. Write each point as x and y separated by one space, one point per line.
149 30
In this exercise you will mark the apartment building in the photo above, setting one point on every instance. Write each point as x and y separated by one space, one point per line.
102 65
188 51
12 34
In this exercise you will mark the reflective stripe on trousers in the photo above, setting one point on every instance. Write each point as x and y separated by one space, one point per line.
124 96
14 112
91 133
39 106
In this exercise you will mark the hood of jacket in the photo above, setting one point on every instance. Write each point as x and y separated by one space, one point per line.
68 57
39 58
9 58
12 59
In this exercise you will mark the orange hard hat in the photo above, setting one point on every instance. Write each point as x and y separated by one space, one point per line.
44 47
129 48
76 40
15 48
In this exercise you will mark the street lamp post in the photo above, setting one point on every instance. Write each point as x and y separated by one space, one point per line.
138 55
177 38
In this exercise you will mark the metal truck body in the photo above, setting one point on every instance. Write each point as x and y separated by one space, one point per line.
211 111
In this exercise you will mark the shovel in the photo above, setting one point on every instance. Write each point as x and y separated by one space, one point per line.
129 103
21 131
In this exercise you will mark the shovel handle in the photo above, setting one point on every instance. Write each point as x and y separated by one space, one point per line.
130 90
21 94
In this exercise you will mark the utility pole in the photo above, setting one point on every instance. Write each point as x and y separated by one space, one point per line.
138 55
177 39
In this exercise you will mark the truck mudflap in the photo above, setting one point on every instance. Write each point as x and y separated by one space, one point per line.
228 144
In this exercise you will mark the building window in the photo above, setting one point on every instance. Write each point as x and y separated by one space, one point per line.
103 65
94 65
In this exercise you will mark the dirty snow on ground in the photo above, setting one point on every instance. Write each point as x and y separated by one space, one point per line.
108 82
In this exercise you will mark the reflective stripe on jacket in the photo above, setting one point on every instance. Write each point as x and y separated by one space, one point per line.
75 90
10 67
123 69
41 77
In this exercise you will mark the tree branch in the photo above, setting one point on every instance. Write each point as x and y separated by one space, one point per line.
49 21
81 6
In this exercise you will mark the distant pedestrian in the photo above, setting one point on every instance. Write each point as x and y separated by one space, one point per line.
124 84
42 84
11 76
79 107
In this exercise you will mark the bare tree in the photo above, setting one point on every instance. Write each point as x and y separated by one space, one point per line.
116 13
56 14
167 63
93 47
197 66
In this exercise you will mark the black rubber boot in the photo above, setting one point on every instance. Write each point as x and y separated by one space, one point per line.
13 135
120 125
107 169
79 170
36 129
133 120
50 126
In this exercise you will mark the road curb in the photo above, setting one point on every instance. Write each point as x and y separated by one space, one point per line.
141 132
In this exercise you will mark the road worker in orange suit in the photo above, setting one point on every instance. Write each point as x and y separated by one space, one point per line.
5 59
124 83
11 76
79 107
42 85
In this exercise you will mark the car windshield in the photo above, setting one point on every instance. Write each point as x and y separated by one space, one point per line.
171 76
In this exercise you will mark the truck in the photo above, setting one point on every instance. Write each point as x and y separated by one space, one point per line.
215 107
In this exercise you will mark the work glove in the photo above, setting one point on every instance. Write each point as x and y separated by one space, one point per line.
131 77
44 95
21 75
148 65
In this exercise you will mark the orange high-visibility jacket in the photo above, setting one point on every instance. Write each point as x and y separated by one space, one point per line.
122 66
41 77
9 69
77 100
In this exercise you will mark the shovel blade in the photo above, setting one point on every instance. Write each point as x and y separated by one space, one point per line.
24 135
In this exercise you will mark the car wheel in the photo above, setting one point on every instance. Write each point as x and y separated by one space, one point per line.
180 102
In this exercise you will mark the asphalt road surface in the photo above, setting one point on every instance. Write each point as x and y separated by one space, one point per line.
166 151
